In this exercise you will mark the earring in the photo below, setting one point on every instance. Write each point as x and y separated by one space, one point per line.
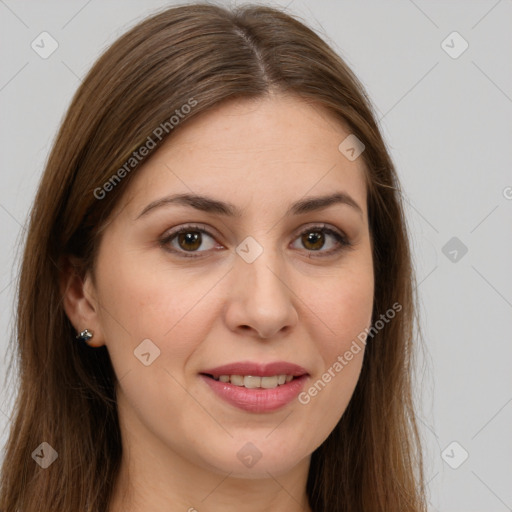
85 335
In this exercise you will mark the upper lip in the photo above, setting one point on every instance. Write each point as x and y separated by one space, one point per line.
257 369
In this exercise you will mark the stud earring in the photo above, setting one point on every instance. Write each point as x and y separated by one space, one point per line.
85 335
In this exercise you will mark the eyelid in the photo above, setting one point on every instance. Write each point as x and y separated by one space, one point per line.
165 240
342 239
344 242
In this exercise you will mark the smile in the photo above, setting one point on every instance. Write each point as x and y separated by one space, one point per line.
256 387
253 382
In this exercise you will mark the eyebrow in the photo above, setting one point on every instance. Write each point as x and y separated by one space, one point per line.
210 205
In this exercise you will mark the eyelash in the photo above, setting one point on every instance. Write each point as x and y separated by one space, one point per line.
343 242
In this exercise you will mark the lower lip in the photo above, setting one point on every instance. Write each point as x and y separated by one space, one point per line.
259 399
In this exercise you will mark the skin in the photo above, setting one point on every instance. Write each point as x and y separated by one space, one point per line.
180 441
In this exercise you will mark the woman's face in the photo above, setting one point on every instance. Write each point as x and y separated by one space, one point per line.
259 279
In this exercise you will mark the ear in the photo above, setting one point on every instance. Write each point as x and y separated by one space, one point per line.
78 299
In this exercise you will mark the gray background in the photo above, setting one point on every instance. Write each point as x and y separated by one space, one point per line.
447 122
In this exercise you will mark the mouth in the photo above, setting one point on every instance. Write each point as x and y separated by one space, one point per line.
256 387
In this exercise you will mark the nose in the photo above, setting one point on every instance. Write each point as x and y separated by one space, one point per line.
261 301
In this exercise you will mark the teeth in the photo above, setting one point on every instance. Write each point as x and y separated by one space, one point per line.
269 382
253 382
237 380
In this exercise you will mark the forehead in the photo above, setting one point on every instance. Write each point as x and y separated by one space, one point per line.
267 152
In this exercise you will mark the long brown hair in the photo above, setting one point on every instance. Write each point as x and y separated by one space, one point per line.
66 396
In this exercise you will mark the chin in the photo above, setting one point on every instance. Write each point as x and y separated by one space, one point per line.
256 459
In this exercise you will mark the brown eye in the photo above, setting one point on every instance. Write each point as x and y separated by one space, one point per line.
313 240
320 237
189 240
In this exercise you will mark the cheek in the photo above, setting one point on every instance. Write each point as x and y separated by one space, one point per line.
343 303
166 306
